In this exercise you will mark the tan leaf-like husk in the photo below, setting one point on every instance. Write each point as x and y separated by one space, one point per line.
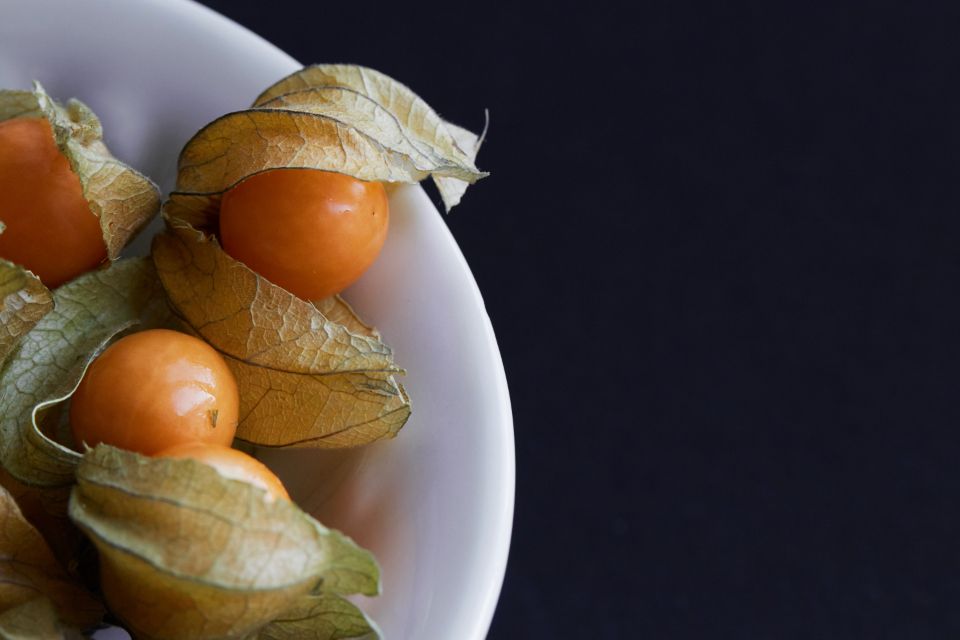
52 357
28 570
236 310
320 617
336 309
241 144
420 125
23 301
367 116
410 110
451 188
310 374
332 411
36 619
342 118
46 510
123 199
189 554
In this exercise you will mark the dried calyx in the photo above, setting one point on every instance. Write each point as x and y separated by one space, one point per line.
311 373
120 199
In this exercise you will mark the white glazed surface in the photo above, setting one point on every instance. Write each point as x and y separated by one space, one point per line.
436 504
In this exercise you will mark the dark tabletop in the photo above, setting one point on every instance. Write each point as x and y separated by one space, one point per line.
721 252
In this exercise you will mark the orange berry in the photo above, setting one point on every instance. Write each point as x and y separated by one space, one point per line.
49 227
154 389
311 232
230 463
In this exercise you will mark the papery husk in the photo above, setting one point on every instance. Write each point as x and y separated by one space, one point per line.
123 199
310 374
354 109
36 619
23 301
52 358
333 117
322 616
306 378
188 554
419 123
452 189
28 570
46 510
244 143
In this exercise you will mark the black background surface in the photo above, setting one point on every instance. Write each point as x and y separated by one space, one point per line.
720 251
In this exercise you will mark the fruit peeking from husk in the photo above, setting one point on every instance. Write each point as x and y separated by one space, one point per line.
188 554
230 463
311 232
155 389
66 204
42 373
310 372
48 226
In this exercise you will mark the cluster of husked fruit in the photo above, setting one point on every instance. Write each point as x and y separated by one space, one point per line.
126 383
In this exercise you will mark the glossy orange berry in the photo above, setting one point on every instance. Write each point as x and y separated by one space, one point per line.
311 232
155 389
49 227
230 463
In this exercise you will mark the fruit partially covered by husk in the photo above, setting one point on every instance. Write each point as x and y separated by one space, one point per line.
188 554
122 199
311 373
333 117
48 364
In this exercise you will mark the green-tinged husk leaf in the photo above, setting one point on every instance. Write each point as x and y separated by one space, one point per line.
451 188
235 309
123 199
23 301
28 570
46 510
433 137
36 619
52 357
189 554
367 116
241 144
320 617
332 411
420 122
310 374
344 118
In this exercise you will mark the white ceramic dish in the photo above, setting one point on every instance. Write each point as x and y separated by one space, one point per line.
436 504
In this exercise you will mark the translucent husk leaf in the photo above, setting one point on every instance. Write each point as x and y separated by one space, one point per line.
123 199
188 554
23 301
36 619
332 411
241 144
320 617
452 189
310 374
52 358
236 309
46 510
28 570
366 115
342 118
423 126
